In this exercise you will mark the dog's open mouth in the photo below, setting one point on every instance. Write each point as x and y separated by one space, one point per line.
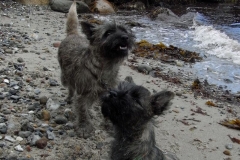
123 47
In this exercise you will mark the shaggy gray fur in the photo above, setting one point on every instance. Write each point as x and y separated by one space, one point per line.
131 108
90 65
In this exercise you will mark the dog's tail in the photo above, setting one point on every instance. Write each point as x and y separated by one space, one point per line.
72 20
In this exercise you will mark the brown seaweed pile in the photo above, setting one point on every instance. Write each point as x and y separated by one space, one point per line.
164 53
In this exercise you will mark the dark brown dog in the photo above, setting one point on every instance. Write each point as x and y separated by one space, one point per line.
90 64
131 108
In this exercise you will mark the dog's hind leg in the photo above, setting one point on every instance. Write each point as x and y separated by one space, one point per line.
70 95
84 126
71 90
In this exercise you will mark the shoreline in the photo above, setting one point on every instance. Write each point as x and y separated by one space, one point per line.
184 129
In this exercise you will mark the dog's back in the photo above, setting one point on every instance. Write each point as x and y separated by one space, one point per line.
71 45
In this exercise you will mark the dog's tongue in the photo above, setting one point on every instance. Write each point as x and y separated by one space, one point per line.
123 47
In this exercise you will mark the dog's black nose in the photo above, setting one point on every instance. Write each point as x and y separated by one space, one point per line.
113 94
124 37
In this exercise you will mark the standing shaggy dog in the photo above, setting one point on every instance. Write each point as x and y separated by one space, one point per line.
131 108
90 64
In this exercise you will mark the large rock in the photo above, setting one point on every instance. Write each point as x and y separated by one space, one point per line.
163 14
39 2
64 5
103 7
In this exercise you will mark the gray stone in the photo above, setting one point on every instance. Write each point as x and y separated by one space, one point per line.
12 156
8 51
14 97
50 135
37 91
60 119
18 148
2 119
2 96
43 100
179 93
229 146
53 82
52 105
26 126
20 60
34 139
24 134
6 111
9 138
144 68
63 6
99 145
3 128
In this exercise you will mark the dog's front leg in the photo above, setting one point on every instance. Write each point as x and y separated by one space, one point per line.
84 126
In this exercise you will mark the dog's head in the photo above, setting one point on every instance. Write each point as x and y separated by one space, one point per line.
131 105
112 40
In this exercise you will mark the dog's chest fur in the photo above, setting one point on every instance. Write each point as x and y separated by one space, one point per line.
140 147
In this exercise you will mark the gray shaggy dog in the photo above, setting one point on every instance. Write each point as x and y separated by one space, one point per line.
131 108
89 65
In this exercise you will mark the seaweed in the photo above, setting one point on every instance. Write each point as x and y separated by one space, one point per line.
164 53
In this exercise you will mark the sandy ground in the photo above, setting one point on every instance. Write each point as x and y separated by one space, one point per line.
191 135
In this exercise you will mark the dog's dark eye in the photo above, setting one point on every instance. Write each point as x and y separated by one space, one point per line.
139 104
108 33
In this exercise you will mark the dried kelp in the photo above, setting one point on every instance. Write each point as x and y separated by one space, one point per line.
234 140
235 123
200 111
210 103
164 53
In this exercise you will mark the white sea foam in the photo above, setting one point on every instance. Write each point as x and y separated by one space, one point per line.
216 43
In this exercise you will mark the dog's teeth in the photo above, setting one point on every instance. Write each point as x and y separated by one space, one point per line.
123 48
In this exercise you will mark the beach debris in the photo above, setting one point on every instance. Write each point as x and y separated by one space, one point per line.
210 103
200 111
192 119
184 122
199 144
193 128
227 152
175 110
234 140
196 84
164 53
234 124
140 6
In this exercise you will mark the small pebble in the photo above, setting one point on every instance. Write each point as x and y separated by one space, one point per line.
41 143
18 148
229 146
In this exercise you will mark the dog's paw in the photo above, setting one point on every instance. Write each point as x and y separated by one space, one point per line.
85 130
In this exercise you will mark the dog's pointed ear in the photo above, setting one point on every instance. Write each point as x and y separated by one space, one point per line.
87 29
161 101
